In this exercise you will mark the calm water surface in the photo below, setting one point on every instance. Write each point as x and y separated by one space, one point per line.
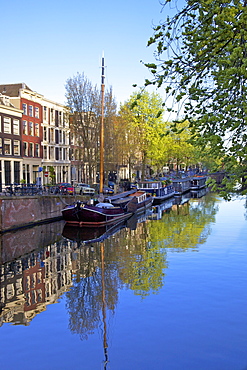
166 292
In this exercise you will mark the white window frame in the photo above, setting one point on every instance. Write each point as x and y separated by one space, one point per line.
36 129
25 148
45 130
9 143
36 110
16 127
31 128
31 147
30 110
36 150
7 125
24 108
45 110
17 147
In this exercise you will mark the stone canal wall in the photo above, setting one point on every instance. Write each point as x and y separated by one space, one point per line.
17 212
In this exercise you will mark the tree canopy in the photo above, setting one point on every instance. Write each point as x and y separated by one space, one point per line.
201 61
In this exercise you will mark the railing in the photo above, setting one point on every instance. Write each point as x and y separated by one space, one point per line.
29 190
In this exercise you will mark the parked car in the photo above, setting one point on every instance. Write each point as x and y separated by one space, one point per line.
84 189
106 189
66 188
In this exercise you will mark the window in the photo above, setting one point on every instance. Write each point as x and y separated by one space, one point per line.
36 129
52 115
45 152
45 133
51 152
36 112
24 127
45 113
30 107
7 147
65 154
16 127
30 149
24 108
31 131
52 134
1 145
16 147
0 123
7 125
36 150
60 118
25 149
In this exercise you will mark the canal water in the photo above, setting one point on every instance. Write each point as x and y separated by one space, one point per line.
166 291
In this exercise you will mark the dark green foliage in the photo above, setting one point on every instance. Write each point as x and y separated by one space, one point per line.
201 60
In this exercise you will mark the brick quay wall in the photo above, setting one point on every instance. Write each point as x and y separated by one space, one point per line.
17 212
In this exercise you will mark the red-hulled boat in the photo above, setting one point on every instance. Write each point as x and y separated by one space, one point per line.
81 214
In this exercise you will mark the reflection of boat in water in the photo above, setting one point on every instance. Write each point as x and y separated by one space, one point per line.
182 199
91 234
198 193
162 208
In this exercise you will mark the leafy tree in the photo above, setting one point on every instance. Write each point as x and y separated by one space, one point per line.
141 113
84 101
201 60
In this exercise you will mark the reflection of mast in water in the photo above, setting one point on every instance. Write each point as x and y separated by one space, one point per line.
104 303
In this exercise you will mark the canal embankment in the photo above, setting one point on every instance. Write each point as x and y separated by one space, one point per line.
17 212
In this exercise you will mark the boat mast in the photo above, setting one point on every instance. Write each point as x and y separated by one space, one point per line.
101 181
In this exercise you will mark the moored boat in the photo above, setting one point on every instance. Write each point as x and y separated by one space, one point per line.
139 202
80 214
158 190
198 182
105 213
135 201
181 186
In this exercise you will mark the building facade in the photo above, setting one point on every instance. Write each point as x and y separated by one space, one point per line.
11 161
44 138
55 143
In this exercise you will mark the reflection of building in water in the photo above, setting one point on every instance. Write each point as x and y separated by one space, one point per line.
31 282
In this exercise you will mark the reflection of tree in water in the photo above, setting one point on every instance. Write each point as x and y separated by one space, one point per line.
136 258
84 300
141 267
185 227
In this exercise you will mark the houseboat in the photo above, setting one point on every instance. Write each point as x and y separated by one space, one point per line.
181 186
159 190
198 182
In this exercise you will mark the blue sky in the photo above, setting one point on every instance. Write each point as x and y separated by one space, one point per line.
43 43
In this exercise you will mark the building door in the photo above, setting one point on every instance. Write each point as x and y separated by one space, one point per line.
17 172
7 172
